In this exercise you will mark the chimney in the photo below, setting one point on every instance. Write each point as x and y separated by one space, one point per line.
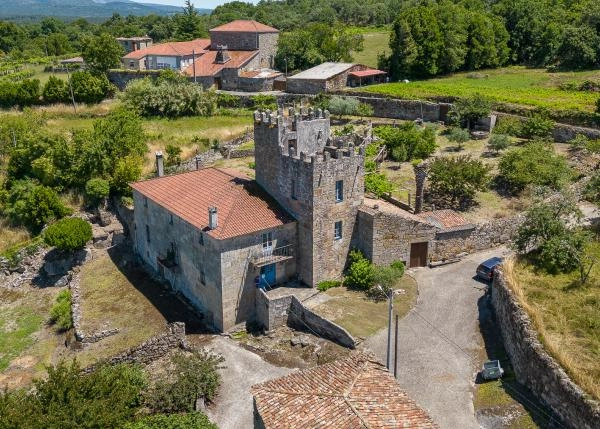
160 167
222 54
212 218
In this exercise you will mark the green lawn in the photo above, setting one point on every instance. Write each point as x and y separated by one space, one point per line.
567 316
514 85
376 42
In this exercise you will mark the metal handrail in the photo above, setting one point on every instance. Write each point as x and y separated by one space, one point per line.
273 253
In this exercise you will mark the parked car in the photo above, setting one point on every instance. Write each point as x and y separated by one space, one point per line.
492 370
485 270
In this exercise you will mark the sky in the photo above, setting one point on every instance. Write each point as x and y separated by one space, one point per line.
201 4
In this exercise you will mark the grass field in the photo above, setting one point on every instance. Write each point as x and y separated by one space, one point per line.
375 43
515 85
566 315
362 316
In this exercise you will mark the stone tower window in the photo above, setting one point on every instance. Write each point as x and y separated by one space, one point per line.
293 191
337 230
339 190
147 233
202 277
201 240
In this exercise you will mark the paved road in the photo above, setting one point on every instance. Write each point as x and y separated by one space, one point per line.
440 343
234 409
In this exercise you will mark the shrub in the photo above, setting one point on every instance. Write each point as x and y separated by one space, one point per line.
562 253
598 105
55 91
264 102
23 93
192 376
97 190
468 110
68 234
533 164
415 142
456 180
459 136
538 125
228 100
360 274
343 106
378 184
399 267
364 109
173 154
498 142
592 188
172 421
89 88
328 284
33 205
127 170
60 313
509 126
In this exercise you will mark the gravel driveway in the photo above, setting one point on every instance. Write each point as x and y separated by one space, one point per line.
439 344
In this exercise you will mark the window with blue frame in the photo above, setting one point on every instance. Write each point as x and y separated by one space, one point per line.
337 230
339 190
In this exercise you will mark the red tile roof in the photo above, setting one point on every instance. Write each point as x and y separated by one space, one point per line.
356 392
206 66
172 49
444 218
242 206
244 25
365 73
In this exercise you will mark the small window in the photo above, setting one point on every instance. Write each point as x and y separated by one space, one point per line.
202 277
170 219
267 240
339 190
145 202
337 230
147 233
294 196
201 240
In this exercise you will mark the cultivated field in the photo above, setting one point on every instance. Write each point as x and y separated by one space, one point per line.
515 85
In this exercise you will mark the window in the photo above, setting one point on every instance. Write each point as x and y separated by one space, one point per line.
337 230
147 233
267 240
170 219
201 240
339 190
294 196
145 202
202 277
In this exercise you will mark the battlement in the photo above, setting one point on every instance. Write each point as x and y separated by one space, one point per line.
278 119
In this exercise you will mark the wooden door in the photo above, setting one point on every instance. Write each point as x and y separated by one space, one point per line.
418 254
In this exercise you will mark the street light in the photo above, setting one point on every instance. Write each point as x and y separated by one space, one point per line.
390 296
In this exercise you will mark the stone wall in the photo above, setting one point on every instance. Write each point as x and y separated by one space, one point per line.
120 78
406 109
274 312
534 367
448 245
151 349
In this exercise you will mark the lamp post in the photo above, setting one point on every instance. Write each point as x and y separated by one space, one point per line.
390 296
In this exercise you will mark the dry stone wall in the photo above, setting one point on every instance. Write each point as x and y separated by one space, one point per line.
535 368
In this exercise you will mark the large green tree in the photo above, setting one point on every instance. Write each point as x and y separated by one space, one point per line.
101 53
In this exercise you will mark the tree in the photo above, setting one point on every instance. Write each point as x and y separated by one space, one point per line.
360 274
537 125
97 190
459 136
468 110
101 53
533 164
378 184
173 154
364 109
172 421
89 88
456 180
408 141
189 25
499 142
55 91
578 48
193 376
68 234
343 106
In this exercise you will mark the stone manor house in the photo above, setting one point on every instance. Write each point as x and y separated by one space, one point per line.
212 233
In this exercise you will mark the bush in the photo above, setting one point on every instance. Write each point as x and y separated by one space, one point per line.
60 313
328 284
68 234
360 274
97 190
598 105
264 102
89 88
459 136
23 93
409 141
456 180
468 110
365 109
33 205
498 142
562 253
538 125
127 170
378 184
509 126
172 421
228 100
56 90
399 267
191 377
533 164
343 106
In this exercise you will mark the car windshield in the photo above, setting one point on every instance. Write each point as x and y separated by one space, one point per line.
491 365
484 269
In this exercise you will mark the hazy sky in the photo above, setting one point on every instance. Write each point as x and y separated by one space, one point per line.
201 4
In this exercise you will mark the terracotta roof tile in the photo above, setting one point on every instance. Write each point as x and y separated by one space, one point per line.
444 218
206 66
243 207
174 49
244 25
356 392
368 72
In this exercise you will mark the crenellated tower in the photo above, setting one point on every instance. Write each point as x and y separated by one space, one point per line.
318 179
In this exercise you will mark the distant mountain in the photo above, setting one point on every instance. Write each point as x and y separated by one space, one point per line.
82 8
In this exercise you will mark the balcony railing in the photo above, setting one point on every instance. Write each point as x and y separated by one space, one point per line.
272 255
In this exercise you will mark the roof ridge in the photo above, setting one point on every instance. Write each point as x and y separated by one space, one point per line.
346 394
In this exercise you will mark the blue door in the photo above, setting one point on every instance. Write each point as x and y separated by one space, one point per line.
268 275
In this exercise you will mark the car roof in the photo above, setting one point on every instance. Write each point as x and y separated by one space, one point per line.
492 262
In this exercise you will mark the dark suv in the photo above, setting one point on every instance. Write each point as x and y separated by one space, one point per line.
485 270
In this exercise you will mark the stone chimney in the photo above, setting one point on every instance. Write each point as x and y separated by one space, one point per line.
420 177
160 165
213 222
222 54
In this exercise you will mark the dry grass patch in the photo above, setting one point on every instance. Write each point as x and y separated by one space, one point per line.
566 316
361 316
116 298
243 165
11 236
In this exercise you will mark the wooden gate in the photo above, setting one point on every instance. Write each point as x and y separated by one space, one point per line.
418 254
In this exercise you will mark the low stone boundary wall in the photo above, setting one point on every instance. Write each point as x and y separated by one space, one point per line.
151 349
271 313
534 367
